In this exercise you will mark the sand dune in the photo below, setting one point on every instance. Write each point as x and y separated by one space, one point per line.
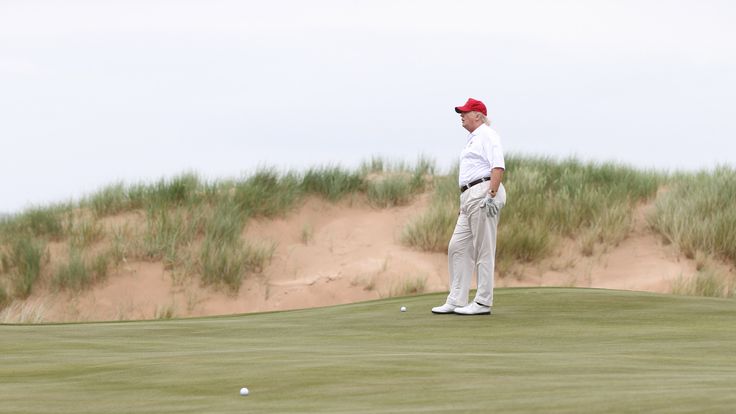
329 254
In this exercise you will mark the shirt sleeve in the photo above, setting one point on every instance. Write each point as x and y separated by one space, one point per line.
495 152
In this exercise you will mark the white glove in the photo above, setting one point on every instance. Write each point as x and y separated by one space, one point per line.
490 205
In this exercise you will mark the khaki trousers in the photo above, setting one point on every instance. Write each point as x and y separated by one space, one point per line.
472 248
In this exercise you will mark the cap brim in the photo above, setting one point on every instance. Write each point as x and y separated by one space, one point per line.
460 109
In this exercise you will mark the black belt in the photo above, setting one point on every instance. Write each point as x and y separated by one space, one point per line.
472 183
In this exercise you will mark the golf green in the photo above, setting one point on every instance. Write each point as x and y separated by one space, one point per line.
545 350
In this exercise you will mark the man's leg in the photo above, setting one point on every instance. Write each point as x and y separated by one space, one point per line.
484 238
460 260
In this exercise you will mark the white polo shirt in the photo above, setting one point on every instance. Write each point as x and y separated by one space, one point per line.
482 153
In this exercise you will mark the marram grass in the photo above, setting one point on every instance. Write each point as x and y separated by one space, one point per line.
697 212
546 200
191 224
592 203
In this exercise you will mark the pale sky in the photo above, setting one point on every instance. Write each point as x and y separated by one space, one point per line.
97 92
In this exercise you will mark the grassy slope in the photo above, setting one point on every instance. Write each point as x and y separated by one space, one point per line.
544 350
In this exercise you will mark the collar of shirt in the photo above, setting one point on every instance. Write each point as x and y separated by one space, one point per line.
475 132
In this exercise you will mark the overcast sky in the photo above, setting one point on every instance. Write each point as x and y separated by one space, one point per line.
95 92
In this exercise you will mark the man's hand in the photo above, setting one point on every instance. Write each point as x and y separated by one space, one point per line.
490 205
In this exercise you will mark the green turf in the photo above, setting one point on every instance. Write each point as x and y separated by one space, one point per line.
543 350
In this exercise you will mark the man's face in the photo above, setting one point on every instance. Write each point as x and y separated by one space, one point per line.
469 120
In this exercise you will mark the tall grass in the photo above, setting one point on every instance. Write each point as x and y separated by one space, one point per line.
183 189
109 200
197 225
46 222
226 265
168 231
407 287
177 191
390 191
83 233
78 273
257 255
24 263
706 282
432 229
266 194
395 183
221 257
332 182
4 297
697 213
23 313
73 275
547 200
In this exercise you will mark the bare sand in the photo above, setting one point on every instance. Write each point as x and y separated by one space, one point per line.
328 254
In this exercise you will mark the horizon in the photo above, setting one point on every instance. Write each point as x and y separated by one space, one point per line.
95 94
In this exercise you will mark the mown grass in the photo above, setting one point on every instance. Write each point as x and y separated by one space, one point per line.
547 200
543 351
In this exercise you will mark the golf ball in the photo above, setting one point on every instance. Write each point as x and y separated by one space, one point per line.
403 308
244 391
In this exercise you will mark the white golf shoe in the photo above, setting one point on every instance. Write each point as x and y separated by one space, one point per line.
474 309
444 309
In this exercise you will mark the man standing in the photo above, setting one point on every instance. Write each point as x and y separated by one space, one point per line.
482 196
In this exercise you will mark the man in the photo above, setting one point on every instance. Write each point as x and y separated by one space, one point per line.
482 196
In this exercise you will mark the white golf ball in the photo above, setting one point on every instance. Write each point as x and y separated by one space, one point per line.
403 308
244 391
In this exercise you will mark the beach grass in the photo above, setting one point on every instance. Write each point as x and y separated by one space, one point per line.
393 190
332 182
22 263
74 274
225 257
4 296
547 200
409 286
268 194
109 200
697 213
551 350
431 230
37 221
708 281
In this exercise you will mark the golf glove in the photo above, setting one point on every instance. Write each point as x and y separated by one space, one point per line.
490 205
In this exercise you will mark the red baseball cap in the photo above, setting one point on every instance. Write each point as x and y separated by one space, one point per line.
472 105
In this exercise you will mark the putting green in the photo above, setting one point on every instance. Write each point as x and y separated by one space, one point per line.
543 350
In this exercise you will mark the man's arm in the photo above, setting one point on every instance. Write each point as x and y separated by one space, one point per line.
496 178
